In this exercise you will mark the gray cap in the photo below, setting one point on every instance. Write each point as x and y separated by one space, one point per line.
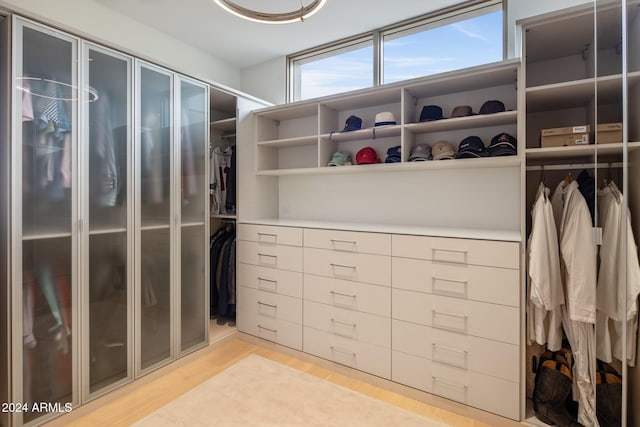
420 152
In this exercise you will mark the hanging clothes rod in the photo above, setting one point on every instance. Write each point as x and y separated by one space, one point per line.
574 166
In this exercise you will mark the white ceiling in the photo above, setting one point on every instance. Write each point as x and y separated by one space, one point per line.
241 43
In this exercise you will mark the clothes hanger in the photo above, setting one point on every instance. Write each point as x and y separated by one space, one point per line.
568 180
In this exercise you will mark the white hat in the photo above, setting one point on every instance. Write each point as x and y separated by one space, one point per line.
385 118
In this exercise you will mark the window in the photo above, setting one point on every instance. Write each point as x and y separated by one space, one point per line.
432 49
336 70
443 41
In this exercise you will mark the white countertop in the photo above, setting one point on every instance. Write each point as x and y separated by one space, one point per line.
464 233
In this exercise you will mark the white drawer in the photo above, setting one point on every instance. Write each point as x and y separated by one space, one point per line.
471 388
461 251
274 256
270 280
460 351
479 283
358 355
349 324
367 268
279 331
348 241
269 305
270 235
357 296
492 321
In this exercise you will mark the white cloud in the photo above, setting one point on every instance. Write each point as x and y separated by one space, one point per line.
467 32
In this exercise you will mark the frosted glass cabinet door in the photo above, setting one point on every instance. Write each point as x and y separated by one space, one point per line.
193 146
154 123
106 162
45 102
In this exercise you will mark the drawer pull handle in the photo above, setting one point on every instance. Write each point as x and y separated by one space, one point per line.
267 255
343 266
339 350
345 242
275 331
445 292
435 313
462 388
434 252
274 283
434 349
342 295
272 260
274 236
267 305
352 325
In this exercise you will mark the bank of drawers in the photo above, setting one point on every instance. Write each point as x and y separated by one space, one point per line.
347 298
456 320
438 314
269 278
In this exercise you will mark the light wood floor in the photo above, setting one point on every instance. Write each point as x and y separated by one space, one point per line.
130 406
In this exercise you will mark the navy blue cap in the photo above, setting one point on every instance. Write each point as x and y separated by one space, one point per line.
471 147
393 155
431 112
503 144
352 123
492 106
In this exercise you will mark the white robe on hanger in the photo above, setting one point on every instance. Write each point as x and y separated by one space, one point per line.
546 296
578 261
618 280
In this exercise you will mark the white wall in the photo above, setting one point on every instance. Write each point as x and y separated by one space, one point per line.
267 80
94 21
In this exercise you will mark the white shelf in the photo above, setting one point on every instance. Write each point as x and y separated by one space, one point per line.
289 142
569 152
465 233
108 231
224 216
456 123
480 163
192 224
45 236
224 124
364 134
155 227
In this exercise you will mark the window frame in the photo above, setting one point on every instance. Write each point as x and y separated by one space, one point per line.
446 16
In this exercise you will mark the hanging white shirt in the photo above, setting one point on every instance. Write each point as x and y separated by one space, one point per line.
545 292
618 280
578 268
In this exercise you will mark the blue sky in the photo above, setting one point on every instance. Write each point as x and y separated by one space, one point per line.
459 45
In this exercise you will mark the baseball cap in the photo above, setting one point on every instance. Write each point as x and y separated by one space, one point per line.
492 106
462 111
385 118
503 144
339 158
352 123
430 112
471 147
420 153
393 155
443 150
366 156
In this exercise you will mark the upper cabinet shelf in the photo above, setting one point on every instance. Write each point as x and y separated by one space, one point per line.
224 125
301 138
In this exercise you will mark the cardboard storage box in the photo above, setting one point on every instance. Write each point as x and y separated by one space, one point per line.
571 135
609 133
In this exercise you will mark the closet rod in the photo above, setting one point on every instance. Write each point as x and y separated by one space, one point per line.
575 166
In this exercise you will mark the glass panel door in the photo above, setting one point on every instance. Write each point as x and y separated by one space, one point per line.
154 123
193 146
44 128
106 162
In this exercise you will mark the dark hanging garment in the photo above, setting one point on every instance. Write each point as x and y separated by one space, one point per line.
230 203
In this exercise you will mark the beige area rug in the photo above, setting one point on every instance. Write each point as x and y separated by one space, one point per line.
259 392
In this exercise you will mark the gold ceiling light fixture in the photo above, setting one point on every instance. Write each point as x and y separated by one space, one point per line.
296 15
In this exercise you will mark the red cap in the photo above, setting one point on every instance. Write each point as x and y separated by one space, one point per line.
366 156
